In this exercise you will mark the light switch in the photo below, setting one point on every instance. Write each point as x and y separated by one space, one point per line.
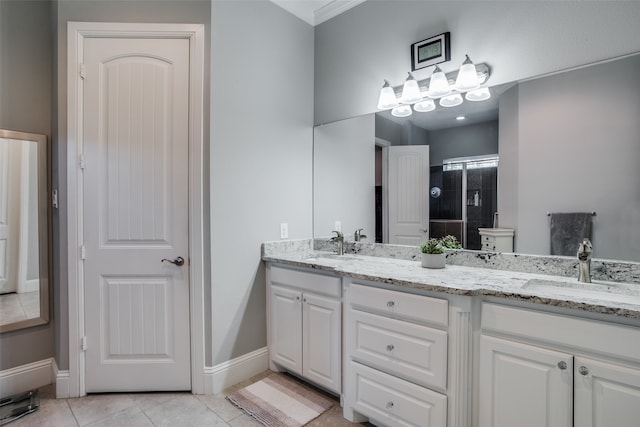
284 230
338 226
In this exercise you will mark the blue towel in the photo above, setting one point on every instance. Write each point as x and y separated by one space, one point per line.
568 230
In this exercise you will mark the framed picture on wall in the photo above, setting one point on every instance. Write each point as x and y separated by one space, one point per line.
431 51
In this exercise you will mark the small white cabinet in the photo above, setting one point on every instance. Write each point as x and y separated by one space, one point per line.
555 370
496 239
305 325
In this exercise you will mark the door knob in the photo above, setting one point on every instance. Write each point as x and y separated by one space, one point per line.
178 261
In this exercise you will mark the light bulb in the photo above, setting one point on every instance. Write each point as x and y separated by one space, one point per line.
451 100
401 111
481 94
387 98
425 106
438 84
467 76
410 91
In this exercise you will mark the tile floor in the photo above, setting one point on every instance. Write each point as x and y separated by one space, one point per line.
180 409
15 307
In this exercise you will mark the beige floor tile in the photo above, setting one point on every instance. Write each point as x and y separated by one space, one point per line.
131 417
244 420
183 411
332 418
148 400
95 407
221 406
51 413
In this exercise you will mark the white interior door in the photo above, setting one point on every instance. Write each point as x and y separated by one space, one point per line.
9 213
407 194
135 118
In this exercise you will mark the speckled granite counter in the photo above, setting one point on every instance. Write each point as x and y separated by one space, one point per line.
488 274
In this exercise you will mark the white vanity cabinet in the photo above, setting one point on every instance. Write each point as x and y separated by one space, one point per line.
546 369
305 325
395 357
496 239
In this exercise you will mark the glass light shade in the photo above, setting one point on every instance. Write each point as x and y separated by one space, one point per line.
481 94
425 106
451 100
401 111
410 91
438 84
387 98
467 76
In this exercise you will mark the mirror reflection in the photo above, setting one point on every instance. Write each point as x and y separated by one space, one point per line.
567 142
23 230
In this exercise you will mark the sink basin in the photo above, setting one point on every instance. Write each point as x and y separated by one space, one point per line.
607 291
330 257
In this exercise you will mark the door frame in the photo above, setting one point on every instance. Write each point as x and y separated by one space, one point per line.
77 32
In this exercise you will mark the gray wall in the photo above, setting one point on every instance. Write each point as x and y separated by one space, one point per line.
25 105
355 51
261 158
578 149
463 141
344 177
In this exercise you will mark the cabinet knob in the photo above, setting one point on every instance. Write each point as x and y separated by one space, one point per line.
390 304
583 370
390 347
304 300
562 365
298 298
389 405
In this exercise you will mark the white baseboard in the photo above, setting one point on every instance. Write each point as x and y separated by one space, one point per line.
26 377
224 375
61 380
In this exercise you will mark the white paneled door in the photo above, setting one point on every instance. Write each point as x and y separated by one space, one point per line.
408 194
135 133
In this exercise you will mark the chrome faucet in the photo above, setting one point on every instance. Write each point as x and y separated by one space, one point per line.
584 261
339 238
357 236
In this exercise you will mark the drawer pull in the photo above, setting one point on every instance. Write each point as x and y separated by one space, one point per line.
389 405
390 347
562 365
391 304
583 370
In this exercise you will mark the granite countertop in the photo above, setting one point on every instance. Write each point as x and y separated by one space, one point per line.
607 297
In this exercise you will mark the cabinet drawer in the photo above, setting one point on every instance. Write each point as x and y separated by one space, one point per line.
393 401
489 246
415 352
318 283
401 305
488 239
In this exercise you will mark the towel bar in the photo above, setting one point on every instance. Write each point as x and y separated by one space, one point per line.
592 213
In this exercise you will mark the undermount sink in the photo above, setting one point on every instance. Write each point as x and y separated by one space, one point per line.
330 257
620 292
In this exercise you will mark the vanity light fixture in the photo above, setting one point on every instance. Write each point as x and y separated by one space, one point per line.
451 100
401 111
438 84
410 91
460 118
387 99
467 76
448 88
481 94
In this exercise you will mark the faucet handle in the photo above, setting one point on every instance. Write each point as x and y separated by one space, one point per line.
338 235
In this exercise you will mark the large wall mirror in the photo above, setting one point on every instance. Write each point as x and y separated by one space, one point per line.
24 230
567 142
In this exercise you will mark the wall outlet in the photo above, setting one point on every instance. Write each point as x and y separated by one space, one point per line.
284 230
338 226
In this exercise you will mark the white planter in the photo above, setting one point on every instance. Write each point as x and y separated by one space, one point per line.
433 260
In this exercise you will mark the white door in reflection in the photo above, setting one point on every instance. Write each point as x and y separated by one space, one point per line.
407 193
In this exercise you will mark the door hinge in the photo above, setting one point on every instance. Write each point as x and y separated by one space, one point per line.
83 343
83 252
83 71
54 199
82 161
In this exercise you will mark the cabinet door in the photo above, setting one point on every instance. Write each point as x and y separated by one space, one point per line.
525 386
321 340
606 394
285 347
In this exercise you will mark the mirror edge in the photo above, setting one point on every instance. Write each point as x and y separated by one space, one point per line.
45 243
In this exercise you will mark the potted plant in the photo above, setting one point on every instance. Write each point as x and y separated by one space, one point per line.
433 251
